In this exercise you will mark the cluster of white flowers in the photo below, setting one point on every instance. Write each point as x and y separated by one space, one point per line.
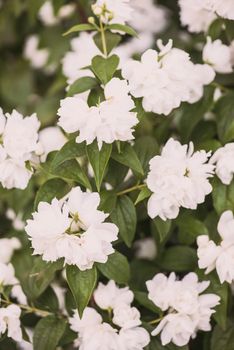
198 15
37 57
146 248
72 228
109 121
10 315
178 178
48 17
187 310
163 87
223 159
218 56
19 138
117 301
219 256
113 11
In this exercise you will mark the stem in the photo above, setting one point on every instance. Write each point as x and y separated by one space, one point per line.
136 187
102 30
29 309
156 321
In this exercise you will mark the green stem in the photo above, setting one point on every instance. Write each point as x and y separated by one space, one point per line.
103 38
131 189
156 321
29 309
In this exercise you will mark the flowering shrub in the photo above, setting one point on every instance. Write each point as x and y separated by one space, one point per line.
116 175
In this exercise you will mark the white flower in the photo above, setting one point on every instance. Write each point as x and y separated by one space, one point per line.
104 337
111 120
196 15
223 158
110 295
7 248
177 178
146 248
135 338
37 57
217 55
72 229
126 316
20 135
83 49
147 17
19 141
187 310
220 257
7 275
14 174
113 11
10 322
47 16
18 293
50 139
176 328
224 9
162 87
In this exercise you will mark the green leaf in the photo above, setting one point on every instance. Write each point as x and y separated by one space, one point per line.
70 150
190 228
104 68
48 332
143 300
81 284
223 196
124 216
80 28
128 157
112 40
191 114
71 170
146 148
224 111
179 259
51 189
41 275
223 339
108 201
144 193
122 28
47 300
116 268
99 160
216 28
162 229
81 85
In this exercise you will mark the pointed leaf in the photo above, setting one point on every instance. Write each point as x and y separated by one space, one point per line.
104 68
128 157
80 28
116 268
48 332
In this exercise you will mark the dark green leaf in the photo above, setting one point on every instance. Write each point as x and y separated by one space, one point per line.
99 160
81 284
143 300
223 339
71 170
190 228
144 193
116 268
70 150
162 229
124 216
128 157
51 189
179 259
112 40
48 332
223 196
104 68
146 148
80 28
41 275
224 111
81 85
108 201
